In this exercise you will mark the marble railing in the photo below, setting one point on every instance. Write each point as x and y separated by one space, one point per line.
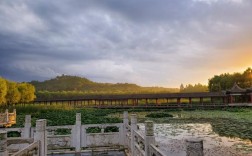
80 137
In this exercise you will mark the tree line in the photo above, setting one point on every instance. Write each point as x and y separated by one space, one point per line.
226 81
193 88
13 92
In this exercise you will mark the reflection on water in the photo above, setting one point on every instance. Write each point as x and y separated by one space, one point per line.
170 138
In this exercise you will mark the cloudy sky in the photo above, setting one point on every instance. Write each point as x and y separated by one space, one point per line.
148 42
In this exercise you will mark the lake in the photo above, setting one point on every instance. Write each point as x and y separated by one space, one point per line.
171 137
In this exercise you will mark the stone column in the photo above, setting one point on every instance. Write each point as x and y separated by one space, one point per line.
133 128
76 133
149 137
41 136
3 143
125 118
194 147
83 136
26 132
122 135
125 124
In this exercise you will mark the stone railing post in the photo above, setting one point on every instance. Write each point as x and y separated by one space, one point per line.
26 132
149 137
83 136
3 143
125 124
41 136
133 126
76 133
194 147
125 118
122 135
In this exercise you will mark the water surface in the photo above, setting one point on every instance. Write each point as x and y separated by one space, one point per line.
171 137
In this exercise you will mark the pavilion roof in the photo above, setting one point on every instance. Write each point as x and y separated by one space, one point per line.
236 89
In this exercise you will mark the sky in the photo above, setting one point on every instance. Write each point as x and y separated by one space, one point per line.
150 43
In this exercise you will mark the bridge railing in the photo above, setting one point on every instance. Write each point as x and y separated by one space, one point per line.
144 144
43 138
137 142
7 119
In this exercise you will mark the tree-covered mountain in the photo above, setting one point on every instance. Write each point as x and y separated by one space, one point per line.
63 83
66 86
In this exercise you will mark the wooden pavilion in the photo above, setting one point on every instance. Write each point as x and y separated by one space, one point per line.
239 95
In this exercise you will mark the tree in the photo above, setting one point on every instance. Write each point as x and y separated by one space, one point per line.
194 88
226 81
13 95
181 88
27 92
3 90
247 78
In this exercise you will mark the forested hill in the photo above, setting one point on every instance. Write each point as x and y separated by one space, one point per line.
78 84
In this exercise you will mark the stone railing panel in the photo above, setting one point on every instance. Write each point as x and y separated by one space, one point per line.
52 130
139 151
59 142
13 129
139 140
102 139
11 141
154 151
139 136
103 125
31 150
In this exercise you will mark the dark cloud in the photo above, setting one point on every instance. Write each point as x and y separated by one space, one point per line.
144 41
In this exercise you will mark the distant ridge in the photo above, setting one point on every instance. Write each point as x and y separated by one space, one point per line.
82 84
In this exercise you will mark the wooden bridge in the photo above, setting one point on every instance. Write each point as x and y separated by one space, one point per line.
234 97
